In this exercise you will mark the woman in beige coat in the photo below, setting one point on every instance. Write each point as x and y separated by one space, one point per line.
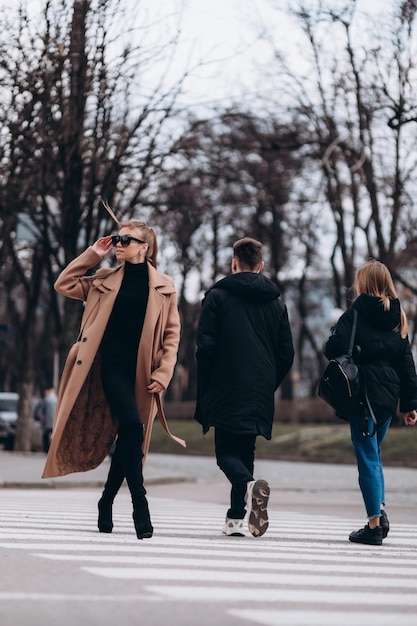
122 361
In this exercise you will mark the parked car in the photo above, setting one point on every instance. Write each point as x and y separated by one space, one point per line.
8 418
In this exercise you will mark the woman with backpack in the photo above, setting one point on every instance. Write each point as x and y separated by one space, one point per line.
388 374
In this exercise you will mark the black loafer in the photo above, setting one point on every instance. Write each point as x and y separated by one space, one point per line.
371 536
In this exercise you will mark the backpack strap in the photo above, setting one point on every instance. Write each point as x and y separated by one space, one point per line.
365 429
353 333
365 422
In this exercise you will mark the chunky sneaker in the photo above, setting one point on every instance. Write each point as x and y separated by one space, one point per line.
257 496
233 527
384 523
371 536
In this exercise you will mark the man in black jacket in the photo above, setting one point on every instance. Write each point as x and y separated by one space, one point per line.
244 351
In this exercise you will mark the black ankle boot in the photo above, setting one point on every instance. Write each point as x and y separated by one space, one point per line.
105 516
141 519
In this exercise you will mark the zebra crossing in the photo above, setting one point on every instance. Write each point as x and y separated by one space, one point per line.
302 571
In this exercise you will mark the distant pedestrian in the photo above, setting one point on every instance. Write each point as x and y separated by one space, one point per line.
244 351
388 374
47 413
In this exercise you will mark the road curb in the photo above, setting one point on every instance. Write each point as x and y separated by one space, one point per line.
86 484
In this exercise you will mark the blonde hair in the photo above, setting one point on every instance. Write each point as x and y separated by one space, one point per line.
374 278
148 235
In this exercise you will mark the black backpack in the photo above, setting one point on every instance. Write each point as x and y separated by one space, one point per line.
340 386
339 383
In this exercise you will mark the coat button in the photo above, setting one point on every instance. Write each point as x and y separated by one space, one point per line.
79 362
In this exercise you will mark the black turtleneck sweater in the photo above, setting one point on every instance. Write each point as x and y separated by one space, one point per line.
121 338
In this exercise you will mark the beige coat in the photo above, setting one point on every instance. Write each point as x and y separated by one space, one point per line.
84 427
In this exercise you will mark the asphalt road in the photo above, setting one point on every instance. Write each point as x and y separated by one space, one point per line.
57 568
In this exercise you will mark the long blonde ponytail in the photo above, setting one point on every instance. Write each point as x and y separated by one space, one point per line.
374 278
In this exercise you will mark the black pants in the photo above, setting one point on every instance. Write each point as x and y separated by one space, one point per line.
119 387
235 456
46 439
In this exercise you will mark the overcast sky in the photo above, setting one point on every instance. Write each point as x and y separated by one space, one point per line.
223 37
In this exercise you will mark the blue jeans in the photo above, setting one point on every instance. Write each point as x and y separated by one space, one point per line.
368 457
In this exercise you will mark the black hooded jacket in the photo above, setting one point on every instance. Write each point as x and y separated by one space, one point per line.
244 350
385 359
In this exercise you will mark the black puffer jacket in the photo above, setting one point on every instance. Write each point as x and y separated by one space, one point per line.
244 350
385 358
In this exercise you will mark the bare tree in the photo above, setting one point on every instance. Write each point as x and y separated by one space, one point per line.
353 100
364 103
226 177
78 125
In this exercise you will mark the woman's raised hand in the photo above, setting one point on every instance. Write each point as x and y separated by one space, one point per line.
102 246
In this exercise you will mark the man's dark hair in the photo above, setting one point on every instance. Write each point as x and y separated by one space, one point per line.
248 252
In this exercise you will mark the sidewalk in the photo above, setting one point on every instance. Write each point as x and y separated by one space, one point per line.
24 470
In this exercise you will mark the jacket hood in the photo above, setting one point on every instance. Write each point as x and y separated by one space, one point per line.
249 286
371 308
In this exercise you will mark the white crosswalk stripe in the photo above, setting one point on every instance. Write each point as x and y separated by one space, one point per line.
302 571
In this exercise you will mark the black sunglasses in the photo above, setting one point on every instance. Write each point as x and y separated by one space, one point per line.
124 240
